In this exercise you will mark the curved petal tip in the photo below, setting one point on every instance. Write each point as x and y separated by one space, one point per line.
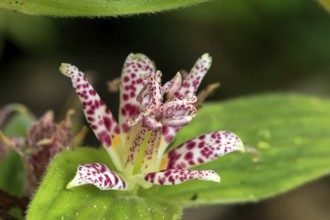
98 175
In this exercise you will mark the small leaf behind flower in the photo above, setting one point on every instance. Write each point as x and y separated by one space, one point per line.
18 125
11 168
12 174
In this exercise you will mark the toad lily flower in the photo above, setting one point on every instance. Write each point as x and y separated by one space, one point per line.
147 125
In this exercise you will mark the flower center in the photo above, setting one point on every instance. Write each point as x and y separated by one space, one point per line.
145 135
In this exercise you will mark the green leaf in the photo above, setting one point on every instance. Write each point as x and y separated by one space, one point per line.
16 213
325 4
54 201
291 133
19 123
93 7
11 167
12 174
30 32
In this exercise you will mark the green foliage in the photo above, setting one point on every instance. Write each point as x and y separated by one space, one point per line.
18 125
93 7
11 168
31 33
325 4
16 213
53 201
290 133
242 12
12 174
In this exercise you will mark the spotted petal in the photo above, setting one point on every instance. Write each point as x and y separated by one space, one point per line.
174 176
131 84
98 175
188 87
203 149
96 112
192 81
173 85
151 93
136 140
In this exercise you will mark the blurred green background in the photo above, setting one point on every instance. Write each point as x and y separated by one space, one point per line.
257 46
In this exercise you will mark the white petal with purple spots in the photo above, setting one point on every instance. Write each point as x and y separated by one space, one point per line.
174 177
203 149
131 84
98 175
